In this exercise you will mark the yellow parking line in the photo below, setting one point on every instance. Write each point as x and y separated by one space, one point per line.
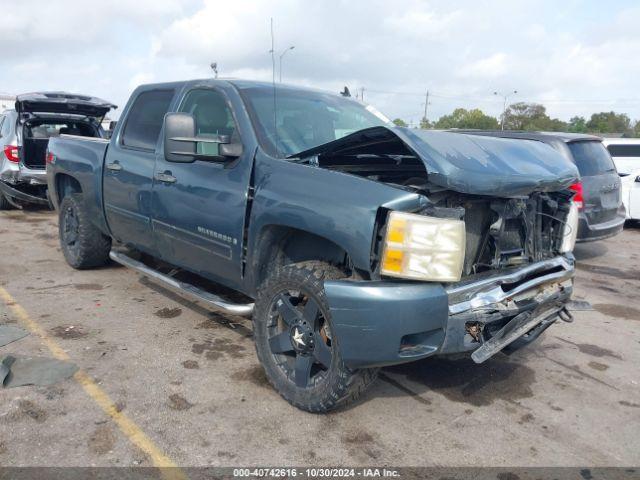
98 395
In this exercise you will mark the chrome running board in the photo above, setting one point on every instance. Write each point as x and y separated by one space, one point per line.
184 288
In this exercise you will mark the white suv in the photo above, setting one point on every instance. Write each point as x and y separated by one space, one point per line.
626 156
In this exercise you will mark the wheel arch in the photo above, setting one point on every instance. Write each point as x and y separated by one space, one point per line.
280 245
66 185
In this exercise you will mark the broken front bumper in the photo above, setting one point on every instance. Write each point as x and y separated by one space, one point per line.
384 322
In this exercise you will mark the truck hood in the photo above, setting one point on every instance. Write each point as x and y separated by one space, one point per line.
464 163
62 103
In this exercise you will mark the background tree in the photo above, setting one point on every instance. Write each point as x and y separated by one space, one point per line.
577 125
609 122
425 123
531 116
463 118
398 122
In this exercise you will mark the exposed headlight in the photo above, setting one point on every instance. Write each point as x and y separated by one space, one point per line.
423 248
570 230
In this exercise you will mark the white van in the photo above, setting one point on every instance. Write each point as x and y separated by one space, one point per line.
625 153
626 156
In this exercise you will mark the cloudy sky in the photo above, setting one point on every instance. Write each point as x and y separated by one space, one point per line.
576 57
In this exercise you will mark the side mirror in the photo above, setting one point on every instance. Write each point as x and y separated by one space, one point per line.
233 150
638 179
182 145
179 141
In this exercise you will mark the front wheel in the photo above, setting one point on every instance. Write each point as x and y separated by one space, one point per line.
82 243
296 342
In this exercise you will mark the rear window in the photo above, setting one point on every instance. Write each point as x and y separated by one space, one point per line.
145 119
624 150
591 158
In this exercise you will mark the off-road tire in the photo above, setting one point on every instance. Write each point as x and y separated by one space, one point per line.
89 247
340 385
4 203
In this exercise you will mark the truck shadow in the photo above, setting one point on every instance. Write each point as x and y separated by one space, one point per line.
460 380
239 325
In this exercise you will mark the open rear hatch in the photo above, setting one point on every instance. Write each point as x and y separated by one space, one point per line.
46 114
63 103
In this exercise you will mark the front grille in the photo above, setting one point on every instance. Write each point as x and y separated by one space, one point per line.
509 232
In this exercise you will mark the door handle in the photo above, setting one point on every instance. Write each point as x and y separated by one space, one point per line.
115 166
165 177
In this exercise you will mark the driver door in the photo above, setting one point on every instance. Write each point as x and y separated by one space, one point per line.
198 207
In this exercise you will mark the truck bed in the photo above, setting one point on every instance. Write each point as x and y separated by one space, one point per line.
80 159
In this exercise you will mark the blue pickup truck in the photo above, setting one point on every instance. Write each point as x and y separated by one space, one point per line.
353 244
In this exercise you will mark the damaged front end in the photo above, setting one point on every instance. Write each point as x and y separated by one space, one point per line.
492 311
519 227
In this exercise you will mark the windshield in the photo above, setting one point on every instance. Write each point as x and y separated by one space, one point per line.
591 158
304 119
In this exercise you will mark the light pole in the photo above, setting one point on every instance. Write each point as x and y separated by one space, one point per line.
282 55
504 105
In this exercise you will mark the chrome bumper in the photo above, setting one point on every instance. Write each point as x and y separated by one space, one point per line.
498 291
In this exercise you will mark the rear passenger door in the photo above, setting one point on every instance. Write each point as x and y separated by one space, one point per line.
129 166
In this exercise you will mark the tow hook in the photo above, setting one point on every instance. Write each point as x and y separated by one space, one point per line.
565 315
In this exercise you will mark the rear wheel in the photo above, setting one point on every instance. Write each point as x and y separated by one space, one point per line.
83 245
296 342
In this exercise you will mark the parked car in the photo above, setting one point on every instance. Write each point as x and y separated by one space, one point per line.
25 131
354 244
631 194
625 153
598 193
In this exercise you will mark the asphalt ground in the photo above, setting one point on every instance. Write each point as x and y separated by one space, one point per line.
164 381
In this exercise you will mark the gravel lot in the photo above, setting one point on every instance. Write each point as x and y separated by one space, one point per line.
189 379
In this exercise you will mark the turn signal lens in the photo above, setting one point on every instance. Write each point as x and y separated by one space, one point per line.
570 230
578 198
423 248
